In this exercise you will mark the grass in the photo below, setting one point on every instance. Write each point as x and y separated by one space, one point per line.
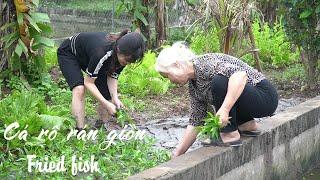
291 73
90 5
30 108
47 104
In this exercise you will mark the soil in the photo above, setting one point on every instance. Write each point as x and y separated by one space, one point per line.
175 103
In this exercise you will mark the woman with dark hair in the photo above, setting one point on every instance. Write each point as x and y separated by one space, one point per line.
102 57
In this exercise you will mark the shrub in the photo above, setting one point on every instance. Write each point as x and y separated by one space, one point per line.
302 25
205 42
140 80
275 49
292 73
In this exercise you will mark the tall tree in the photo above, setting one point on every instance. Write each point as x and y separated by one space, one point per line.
7 16
302 25
139 11
161 34
23 37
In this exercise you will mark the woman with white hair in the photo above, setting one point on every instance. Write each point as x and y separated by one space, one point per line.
238 93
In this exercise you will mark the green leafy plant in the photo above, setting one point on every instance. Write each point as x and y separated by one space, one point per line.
143 79
27 38
274 47
119 161
302 25
123 117
211 127
205 42
137 9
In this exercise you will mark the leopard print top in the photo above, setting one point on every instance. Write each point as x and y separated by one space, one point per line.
206 67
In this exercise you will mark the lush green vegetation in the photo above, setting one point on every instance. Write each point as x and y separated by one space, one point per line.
274 48
302 26
47 106
29 108
31 96
141 80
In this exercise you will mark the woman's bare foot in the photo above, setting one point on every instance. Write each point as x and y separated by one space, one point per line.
249 126
230 136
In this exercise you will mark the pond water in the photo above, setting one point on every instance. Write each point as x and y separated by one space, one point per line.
169 131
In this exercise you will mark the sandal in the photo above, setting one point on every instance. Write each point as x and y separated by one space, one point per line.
219 142
250 133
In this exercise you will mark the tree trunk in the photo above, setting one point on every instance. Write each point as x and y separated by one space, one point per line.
253 46
310 62
7 16
227 40
161 34
146 29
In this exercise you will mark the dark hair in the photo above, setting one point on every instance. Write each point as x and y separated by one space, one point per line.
129 44
115 37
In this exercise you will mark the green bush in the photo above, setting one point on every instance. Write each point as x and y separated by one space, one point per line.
205 42
275 49
302 25
50 57
141 80
177 34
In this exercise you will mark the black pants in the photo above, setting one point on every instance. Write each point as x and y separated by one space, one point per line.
254 102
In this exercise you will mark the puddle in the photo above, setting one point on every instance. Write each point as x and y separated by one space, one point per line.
169 131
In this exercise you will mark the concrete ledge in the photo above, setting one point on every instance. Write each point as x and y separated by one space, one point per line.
289 146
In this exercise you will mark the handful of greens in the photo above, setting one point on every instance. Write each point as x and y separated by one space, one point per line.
123 117
211 127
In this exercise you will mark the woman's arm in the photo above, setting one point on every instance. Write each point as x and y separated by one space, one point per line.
89 84
188 139
236 84
113 89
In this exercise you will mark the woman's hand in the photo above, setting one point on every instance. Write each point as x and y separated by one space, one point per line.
223 116
175 153
118 103
111 108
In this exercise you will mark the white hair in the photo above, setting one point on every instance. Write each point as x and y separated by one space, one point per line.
170 55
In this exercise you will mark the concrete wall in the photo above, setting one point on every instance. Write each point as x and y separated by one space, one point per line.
289 146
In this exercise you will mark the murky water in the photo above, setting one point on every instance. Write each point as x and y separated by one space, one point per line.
168 132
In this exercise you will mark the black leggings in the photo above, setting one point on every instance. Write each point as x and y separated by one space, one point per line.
254 102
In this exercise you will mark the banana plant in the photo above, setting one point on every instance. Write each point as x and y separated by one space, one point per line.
138 9
29 33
